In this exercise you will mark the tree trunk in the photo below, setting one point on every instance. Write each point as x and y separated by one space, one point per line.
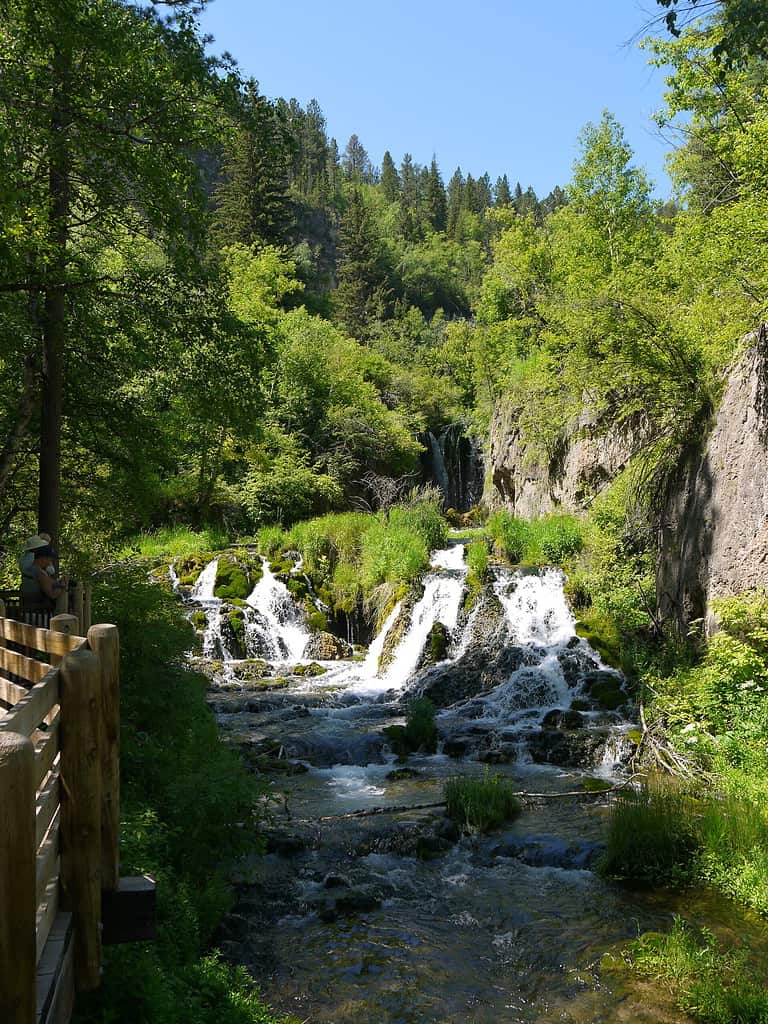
55 313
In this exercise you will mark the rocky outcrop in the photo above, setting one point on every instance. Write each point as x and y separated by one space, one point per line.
714 530
518 478
327 647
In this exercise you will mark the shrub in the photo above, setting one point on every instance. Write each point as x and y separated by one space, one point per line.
481 804
289 490
554 539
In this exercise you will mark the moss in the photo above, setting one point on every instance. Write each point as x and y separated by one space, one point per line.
593 785
231 580
608 695
237 624
608 652
419 732
199 619
312 669
635 736
316 619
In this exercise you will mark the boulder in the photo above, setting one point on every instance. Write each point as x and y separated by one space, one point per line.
327 647
580 748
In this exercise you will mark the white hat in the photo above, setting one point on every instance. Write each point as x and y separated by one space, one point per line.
33 543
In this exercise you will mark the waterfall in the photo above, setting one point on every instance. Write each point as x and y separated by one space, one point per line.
278 625
441 602
536 608
214 644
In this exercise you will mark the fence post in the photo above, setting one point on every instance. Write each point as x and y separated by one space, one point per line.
18 954
63 623
80 734
104 641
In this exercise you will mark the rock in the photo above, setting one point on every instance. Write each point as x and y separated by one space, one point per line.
605 688
285 845
457 746
402 773
437 645
448 829
356 901
233 928
567 749
400 626
550 851
334 881
558 719
714 541
327 647
499 755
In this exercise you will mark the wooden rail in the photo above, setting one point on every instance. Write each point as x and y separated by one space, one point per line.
74 601
59 800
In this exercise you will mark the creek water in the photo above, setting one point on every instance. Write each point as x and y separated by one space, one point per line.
392 917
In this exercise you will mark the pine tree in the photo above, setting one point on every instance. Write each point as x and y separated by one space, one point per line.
251 204
409 199
390 179
362 274
435 200
455 201
502 196
553 201
356 162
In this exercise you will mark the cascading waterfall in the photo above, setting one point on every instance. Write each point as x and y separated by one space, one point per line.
441 602
214 643
278 628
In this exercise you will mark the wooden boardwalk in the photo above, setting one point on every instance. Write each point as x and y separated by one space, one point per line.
59 810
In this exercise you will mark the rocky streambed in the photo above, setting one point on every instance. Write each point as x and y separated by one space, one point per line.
370 905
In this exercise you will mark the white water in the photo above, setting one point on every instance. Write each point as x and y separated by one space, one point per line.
206 581
280 621
536 609
214 644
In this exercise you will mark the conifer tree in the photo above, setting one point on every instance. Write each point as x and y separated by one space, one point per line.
390 179
356 162
251 204
435 200
361 293
455 200
502 196
409 199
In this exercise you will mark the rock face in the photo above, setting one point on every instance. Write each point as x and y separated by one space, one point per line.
327 647
714 530
521 481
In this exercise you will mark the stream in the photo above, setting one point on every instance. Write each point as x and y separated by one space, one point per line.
394 918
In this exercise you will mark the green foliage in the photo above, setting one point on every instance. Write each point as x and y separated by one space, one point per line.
651 837
175 542
419 732
271 540
188 808
714 986
481 804
509 534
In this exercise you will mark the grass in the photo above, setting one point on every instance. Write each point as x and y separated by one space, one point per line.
419 732
652 838
175 542
712 985
481 804
549 540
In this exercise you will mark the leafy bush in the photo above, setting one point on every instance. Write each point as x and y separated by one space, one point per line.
419 732
188 808
481 804
287 491
553 539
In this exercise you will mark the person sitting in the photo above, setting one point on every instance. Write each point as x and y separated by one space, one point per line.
39 590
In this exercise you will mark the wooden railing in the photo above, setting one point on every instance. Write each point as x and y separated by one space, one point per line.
76 600
59 811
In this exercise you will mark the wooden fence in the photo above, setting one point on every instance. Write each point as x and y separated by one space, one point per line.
75 601
59 810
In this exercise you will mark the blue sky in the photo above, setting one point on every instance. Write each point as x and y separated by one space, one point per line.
502 87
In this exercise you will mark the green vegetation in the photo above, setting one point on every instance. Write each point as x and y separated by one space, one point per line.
419 732
550 540
477 569
714 986
188 808
175 542
481 804
357 559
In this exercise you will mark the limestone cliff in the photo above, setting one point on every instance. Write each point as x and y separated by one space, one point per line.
588 461
714 531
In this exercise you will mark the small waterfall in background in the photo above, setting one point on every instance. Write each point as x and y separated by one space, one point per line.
278 629
453 460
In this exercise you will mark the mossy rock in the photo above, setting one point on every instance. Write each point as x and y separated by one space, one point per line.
312 669
609 696
608 652
232 582
593 785
635 736
199 619
237 624
297 587
437 644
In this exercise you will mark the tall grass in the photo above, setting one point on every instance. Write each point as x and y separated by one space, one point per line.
175 542
481 804
547 540
652 837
